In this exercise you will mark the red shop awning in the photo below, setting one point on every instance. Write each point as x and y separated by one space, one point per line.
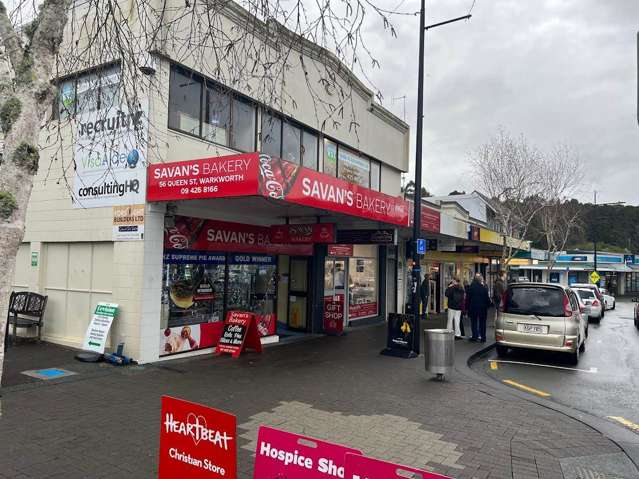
255 174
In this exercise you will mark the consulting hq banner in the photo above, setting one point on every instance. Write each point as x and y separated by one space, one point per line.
110 143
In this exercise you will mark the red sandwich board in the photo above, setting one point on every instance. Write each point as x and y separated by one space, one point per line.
334 314
362 467
239 334
281 454
196 441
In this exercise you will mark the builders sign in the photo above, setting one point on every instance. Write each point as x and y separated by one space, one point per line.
196 441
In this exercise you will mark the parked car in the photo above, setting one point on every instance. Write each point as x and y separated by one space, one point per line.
541 316
597 291
609 299
594 308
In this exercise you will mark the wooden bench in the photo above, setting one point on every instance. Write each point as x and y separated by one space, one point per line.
25 311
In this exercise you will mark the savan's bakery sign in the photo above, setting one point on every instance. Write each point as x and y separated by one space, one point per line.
254 174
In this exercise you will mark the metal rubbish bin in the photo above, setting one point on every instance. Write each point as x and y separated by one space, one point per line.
439 351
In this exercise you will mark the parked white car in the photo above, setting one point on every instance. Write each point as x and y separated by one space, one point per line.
609 299
594 307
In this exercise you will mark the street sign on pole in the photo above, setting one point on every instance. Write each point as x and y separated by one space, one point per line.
594 277
421 246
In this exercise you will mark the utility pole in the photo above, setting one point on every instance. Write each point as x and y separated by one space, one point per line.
416 271
594 234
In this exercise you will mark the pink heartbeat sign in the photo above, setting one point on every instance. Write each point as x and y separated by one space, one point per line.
280 454
362 467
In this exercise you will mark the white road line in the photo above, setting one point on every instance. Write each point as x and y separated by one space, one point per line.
591 370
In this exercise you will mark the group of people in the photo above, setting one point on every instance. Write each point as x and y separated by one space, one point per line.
474 301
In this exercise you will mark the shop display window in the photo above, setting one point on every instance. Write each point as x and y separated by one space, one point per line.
362 291
200 287
193 293
252 284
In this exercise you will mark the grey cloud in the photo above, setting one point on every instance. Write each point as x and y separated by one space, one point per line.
558 71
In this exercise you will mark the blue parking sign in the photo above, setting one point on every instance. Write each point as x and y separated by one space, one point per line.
421 246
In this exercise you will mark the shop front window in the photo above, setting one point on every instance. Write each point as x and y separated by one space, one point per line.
252 287
362 291
192 304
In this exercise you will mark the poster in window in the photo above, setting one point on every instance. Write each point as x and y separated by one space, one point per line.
353 168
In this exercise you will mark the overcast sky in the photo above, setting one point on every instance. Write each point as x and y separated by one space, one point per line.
558 71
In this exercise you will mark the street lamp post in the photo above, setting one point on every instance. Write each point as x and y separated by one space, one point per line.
594 226
417 210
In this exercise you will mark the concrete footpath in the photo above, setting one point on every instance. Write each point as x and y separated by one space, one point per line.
105 421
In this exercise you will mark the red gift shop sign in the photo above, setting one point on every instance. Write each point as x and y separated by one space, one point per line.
196 441
334 314
254 174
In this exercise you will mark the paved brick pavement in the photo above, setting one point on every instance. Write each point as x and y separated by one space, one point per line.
104 422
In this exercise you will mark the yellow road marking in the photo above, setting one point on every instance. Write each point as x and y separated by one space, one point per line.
493 365
625 422
528 389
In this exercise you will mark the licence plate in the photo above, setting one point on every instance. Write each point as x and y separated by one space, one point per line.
532 328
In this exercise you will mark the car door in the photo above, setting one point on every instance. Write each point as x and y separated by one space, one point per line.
577 317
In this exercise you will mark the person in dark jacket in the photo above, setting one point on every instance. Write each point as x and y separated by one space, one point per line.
498 290
455 295
478 304
424 293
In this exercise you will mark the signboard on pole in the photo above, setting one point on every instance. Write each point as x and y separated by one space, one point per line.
421 246
362 467
98 330
594 277
196 441
239 333
281 454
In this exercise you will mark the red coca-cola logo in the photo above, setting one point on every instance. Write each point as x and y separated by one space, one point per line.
274 188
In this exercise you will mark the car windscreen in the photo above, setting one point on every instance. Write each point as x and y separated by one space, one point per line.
535 301
586 293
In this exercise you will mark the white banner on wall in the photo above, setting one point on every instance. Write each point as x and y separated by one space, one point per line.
110 143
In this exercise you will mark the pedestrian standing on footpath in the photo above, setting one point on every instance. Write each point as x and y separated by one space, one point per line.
498 290
478 304
424 293
464 314
455 295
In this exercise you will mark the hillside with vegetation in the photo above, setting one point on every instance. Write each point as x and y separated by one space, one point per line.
615 227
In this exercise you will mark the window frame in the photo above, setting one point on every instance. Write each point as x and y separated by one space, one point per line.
232 95
285 120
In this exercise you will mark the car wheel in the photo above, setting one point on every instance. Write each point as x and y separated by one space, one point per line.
614 304
582 347
574 357
501 351
586 329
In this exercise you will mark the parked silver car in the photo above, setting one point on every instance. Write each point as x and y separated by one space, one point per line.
593 305
541 316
